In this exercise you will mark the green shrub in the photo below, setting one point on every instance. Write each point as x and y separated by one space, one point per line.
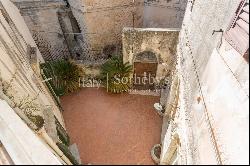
37 120
67 153
115 75
65 76
62 134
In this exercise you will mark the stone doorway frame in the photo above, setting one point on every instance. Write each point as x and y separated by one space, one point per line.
146 56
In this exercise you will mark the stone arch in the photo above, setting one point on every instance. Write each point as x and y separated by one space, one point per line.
146 56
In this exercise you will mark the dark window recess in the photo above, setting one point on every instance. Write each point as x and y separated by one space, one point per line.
75 26
32 54
237 33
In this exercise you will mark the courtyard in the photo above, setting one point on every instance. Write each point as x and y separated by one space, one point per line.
110 128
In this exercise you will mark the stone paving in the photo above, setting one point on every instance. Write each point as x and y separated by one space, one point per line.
112 129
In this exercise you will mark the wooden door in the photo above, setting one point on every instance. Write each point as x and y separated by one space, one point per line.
144 75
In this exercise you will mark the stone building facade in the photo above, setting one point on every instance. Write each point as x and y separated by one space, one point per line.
24 66
207 117
65 28
102 22
164 13
29 114
103 35
150 50
53 27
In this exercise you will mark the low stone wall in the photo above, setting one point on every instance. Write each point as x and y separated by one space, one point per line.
161 42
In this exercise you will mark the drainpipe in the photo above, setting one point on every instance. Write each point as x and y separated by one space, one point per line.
42 133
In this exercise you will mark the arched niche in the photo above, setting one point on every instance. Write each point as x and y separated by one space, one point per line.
146 57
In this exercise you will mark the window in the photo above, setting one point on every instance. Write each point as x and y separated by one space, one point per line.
32 54
237 33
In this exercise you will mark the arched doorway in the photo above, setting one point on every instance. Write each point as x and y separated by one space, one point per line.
145 69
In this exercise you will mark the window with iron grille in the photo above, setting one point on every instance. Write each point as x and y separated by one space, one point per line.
237 33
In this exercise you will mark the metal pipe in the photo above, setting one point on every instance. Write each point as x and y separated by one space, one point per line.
42 133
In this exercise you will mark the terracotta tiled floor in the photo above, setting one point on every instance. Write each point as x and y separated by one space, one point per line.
112 129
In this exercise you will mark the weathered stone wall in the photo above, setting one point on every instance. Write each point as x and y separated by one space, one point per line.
99 39
102 21
161 42
19 144
71 33
77 11
20 79
51 25
164 13
212 115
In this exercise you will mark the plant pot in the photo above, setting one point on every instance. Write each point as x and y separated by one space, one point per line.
156 153
159 109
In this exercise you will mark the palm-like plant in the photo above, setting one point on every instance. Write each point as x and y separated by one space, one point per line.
115 75
65 75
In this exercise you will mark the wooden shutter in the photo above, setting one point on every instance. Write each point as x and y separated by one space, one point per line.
237 33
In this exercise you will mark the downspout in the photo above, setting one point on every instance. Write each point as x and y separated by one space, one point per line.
42 133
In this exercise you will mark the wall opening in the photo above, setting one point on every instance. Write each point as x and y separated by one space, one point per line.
145 69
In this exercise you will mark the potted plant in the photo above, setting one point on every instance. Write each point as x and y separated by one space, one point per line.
115 75
156 153
159 109
64 75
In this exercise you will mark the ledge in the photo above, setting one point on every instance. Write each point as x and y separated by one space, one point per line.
20 142
151 29
39 4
